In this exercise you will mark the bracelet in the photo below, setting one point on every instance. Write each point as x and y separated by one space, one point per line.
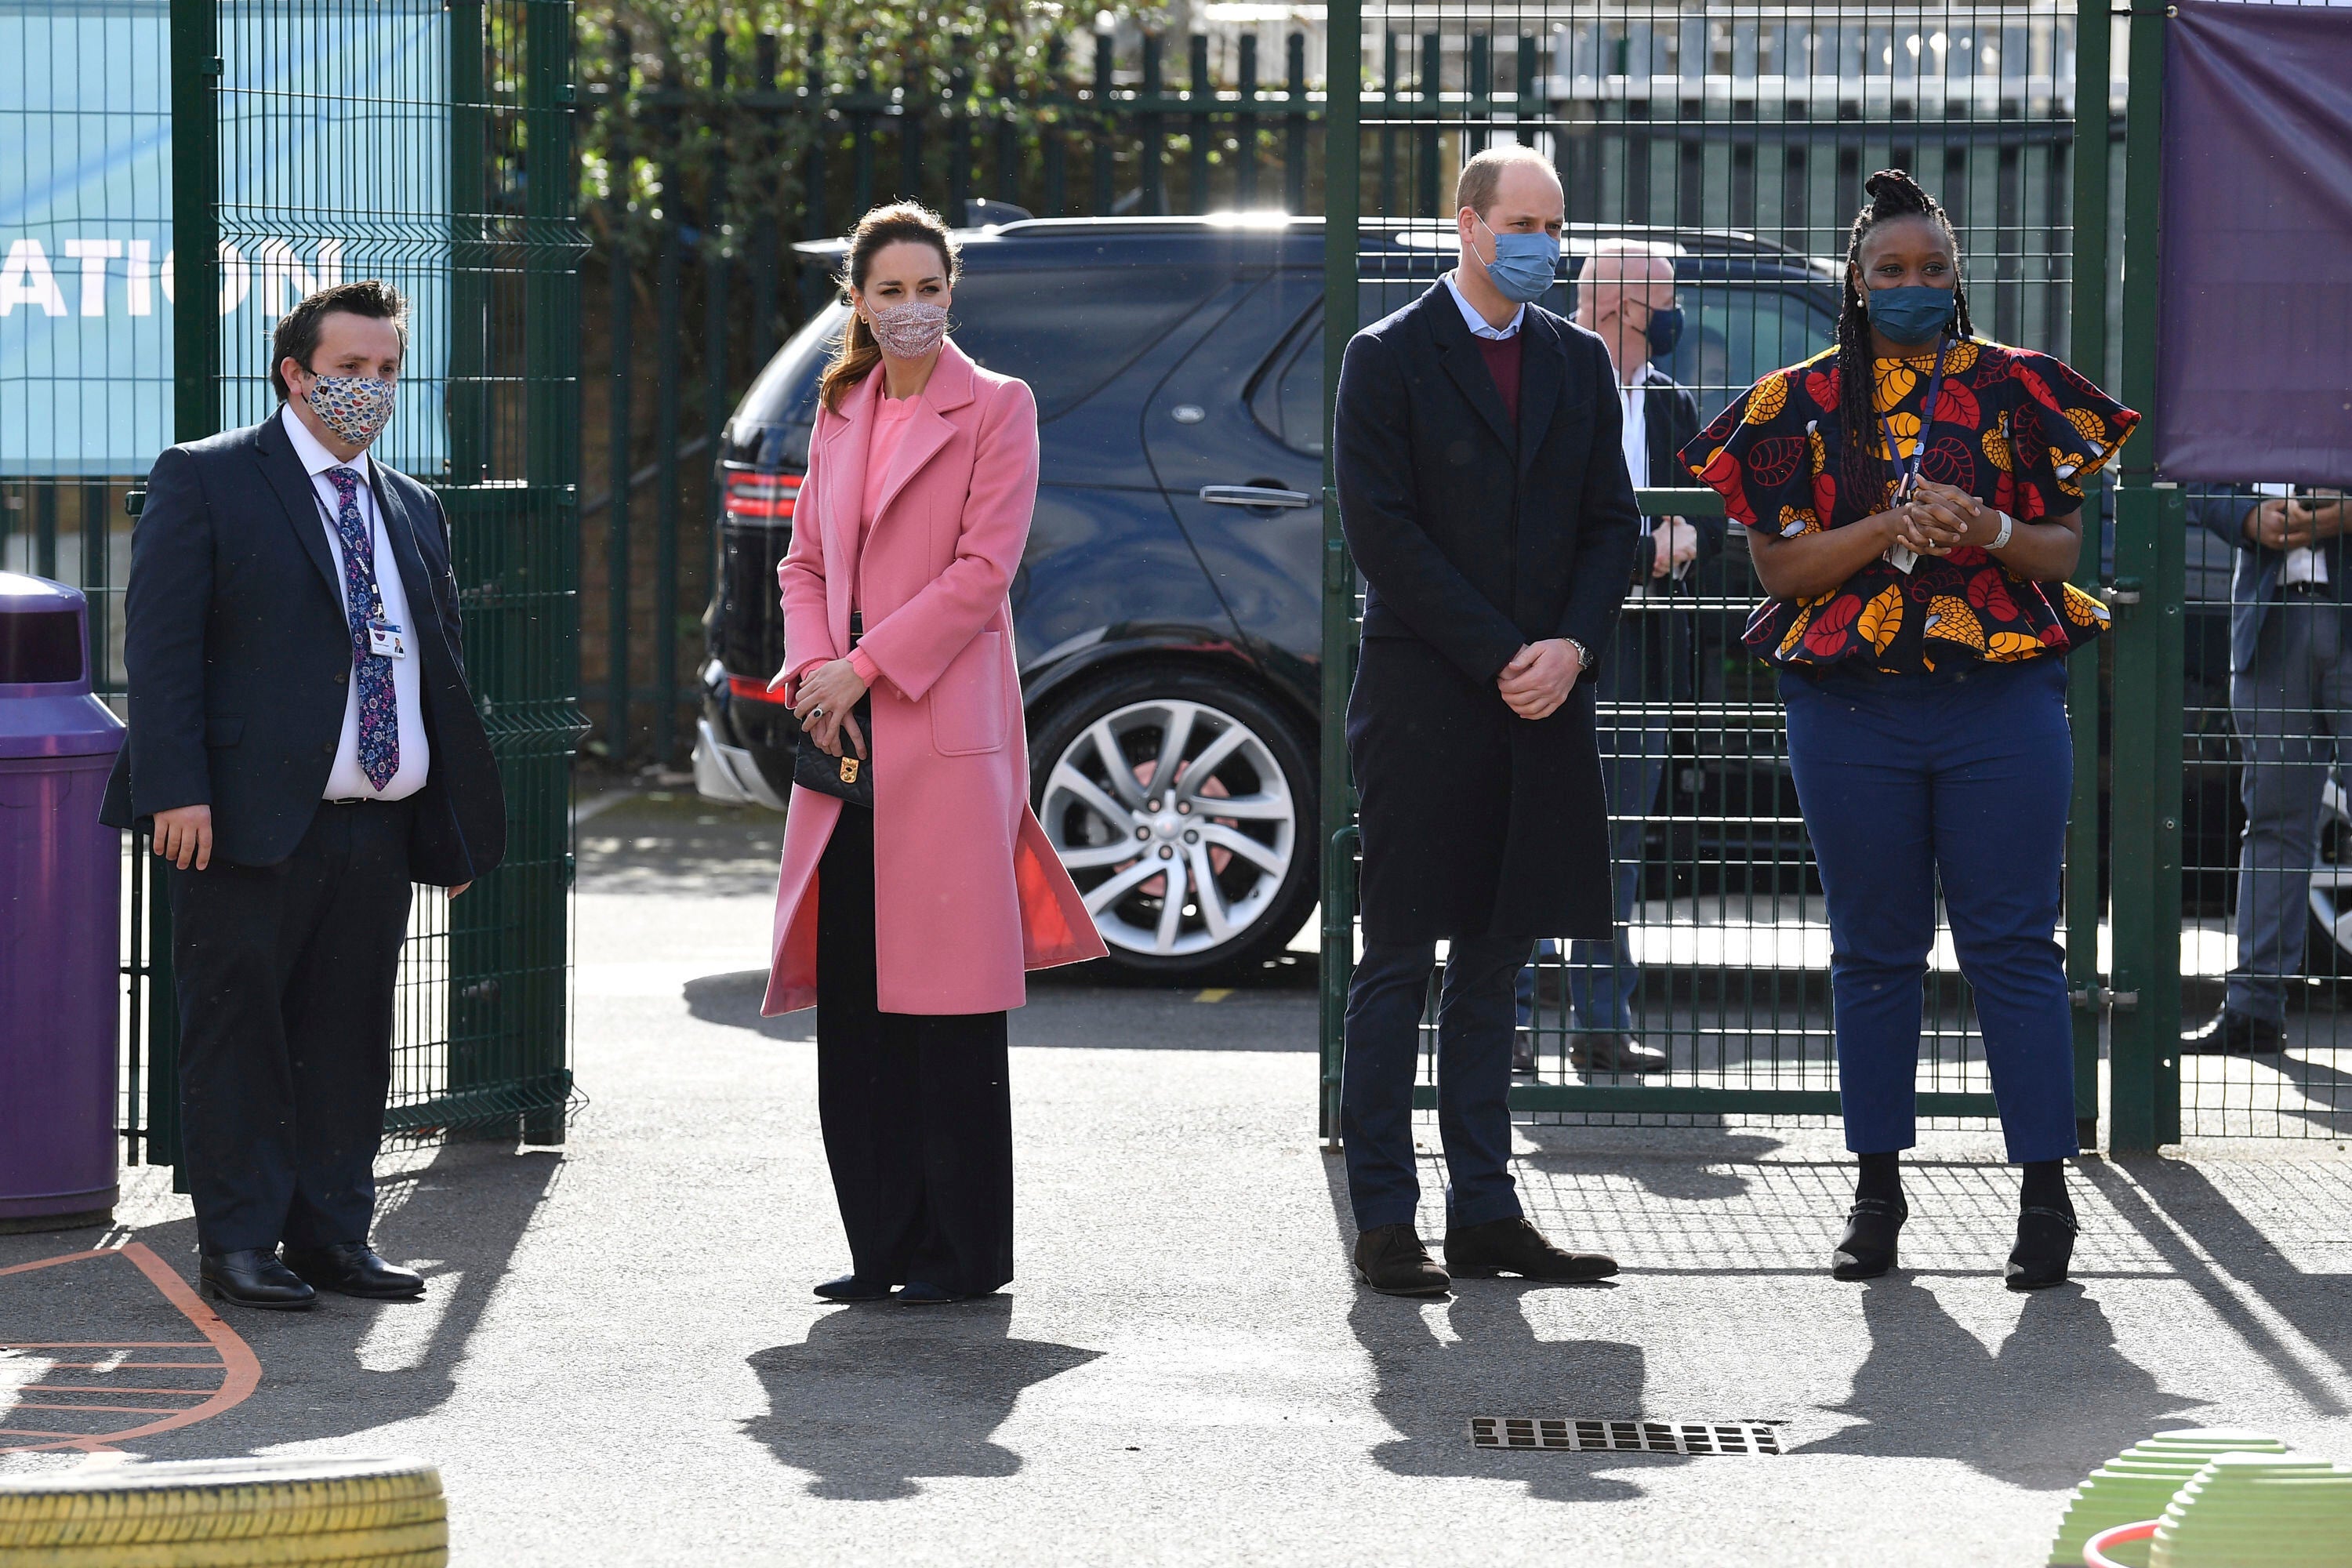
1583 656
2008 527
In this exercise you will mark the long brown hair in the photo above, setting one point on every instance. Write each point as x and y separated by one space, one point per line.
858 353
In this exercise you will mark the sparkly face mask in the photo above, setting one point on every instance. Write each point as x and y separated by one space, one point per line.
909 331
355 407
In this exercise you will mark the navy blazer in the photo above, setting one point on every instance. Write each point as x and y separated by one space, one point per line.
238 656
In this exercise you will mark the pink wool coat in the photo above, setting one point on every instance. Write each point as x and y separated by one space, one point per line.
968 894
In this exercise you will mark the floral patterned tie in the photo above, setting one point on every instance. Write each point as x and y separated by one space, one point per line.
379 741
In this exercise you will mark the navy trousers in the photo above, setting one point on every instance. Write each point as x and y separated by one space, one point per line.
1962 777
1474 1018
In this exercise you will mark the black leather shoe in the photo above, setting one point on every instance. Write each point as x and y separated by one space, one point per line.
850 1288
2234 1034
1515 1247
1523 1050
1613 1052
352 1268
254 1277
2045 1245
1391 1260
1867 1248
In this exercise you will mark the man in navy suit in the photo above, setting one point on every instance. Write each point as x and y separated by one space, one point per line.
303 746
1483 490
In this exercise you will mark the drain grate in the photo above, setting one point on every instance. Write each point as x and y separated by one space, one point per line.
1624 1436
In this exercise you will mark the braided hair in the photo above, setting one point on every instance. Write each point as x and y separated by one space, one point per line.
1892 194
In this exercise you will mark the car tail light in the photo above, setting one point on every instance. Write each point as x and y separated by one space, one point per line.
752 689
761 500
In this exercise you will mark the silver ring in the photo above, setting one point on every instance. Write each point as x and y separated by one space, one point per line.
816 712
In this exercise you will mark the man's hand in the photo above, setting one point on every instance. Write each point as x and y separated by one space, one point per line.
459 888
1677 544
1539 678
2280 524
184 836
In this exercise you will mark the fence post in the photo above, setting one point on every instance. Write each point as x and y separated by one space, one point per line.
1429 95
624 310
717 269
958 124
1342 172
1104 173
914 102
2150 561
1388 125
1245 136
2087 347
667 285
1154 155
1293 141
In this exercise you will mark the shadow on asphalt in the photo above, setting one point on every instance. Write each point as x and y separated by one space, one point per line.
1092 1018
347 1367
1430 1385
2056 1390
880 1396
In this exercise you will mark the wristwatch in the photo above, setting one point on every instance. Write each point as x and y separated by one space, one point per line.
1583 654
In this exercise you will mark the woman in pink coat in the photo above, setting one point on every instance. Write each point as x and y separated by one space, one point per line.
910 925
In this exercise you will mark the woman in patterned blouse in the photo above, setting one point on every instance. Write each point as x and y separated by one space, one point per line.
1914 500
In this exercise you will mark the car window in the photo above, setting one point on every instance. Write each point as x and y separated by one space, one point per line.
1067 332
1734 331
784 398
1286 398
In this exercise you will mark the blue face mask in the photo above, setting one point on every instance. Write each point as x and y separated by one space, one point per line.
1910 314
1664 331
1525 266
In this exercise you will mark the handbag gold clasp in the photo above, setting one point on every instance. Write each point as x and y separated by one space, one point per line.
849 770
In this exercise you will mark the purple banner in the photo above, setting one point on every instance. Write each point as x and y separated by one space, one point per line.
2254 375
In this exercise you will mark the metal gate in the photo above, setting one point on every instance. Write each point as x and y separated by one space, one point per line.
1733 144
308 141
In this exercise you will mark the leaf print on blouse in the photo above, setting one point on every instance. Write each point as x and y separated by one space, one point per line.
1896 379
2008 648
1771 394
1827 636
1797 520
1882 619
1950 619
2080 607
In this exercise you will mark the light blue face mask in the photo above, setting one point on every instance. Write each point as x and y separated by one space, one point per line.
1525 266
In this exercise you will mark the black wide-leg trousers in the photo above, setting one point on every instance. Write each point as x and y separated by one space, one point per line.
285 976
917 1109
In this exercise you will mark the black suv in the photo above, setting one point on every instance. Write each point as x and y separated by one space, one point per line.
1168 610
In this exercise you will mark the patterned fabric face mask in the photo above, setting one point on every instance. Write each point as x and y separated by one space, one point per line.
355 407
911 330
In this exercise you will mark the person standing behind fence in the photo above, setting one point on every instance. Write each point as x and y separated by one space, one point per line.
1625 293
909 923
1483 492
2291 703
1914 500
303 745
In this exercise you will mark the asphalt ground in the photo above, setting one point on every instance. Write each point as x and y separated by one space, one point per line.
619 1360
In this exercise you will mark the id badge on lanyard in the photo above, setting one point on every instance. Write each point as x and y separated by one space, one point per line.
1902 557
386 637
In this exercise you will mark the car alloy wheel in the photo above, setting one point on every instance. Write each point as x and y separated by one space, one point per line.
1178 823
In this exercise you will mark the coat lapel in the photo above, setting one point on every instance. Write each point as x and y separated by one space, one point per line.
1542 369
928 430
1466 364
842 499
416 583
295 496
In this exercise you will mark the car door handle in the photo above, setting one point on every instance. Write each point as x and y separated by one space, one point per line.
1254 495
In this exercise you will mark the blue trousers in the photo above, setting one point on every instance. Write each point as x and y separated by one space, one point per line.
1962 777
1385 1000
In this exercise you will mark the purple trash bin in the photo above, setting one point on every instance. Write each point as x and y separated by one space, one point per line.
60 916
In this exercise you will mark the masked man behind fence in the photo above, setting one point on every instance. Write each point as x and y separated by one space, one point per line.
303 745
1484 492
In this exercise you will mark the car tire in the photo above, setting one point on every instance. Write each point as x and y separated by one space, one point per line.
1117 833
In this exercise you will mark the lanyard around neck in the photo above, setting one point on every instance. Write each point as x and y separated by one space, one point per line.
1906 473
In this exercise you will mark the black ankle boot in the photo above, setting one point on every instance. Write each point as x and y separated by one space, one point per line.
1867 1248
2045 1228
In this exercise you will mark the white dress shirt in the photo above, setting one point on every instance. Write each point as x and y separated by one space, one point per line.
345 780
1478 324
2302 564
1637 428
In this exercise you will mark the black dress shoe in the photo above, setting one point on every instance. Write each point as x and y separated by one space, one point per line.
254 1277
1391 1260
2045 1245
850 1288
352 1268
1523 1050
1515 1247
1613 1052
1867 1248
2233 1034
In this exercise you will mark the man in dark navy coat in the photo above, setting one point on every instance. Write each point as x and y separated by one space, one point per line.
1484 492
303 746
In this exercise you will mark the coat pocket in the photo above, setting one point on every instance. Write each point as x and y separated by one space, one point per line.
967 700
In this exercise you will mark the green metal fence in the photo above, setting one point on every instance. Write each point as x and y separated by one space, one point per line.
195 165
1736 142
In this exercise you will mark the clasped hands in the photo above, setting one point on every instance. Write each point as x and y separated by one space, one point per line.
824 703
1937 519
1539 678
2295 523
